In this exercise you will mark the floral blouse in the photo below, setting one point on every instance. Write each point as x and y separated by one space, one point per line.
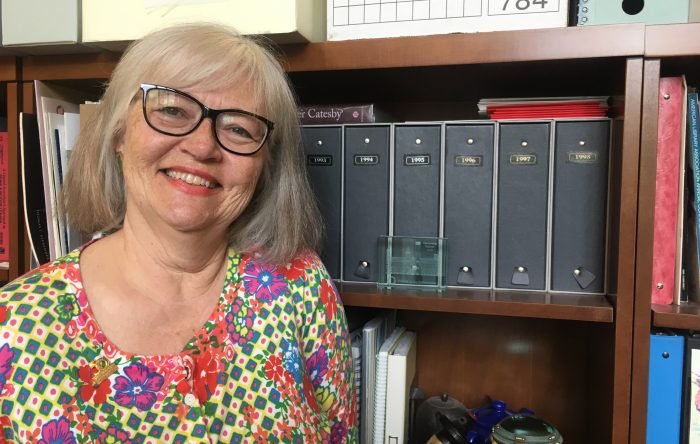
271 364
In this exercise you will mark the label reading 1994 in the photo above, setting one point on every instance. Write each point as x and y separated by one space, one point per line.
506 7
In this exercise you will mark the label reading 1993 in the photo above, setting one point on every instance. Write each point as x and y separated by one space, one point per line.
506 7
319 160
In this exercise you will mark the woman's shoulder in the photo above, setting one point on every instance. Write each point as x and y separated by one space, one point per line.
44 281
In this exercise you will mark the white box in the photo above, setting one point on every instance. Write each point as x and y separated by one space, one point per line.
422 17
41 26
114 24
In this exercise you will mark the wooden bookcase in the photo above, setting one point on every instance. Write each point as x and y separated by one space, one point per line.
570 358
668 52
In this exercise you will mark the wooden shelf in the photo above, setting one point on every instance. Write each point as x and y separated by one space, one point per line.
685 316
469 48
575 307
8 69
434 50
672 40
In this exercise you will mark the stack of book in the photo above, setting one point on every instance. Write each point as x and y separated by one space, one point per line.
544 107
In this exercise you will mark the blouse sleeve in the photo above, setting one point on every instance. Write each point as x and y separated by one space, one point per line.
327 353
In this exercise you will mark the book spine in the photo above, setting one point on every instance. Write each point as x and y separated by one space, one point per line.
694 132
4 196
330 114
668 151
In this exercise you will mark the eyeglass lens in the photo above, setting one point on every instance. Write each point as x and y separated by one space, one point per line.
177 115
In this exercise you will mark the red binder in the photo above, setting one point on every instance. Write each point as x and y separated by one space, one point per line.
667 245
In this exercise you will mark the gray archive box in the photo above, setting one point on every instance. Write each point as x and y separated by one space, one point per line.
579 218
366 199
323 147
522 205
469 155
416 197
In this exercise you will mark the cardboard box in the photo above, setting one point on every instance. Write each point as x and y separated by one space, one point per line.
114 24
358 19
651 12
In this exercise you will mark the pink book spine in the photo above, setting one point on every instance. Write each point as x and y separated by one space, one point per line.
668 151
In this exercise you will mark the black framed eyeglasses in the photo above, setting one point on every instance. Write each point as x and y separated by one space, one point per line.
176 113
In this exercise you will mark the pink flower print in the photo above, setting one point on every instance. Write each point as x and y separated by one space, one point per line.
339 432
239 322
318 366
138 388
6 357
57 431
114 435
262 281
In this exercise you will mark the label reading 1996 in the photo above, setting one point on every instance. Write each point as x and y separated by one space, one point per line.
319 160
463 160
506 7
365 159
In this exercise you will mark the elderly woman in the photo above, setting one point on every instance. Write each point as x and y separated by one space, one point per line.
202 314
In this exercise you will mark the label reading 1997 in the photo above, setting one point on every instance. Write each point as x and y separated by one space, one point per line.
319 160
416 159
507 7
365 159
522 159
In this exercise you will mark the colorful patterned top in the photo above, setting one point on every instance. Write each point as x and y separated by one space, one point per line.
272 364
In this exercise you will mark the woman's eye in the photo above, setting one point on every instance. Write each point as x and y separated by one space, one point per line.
240 132
172 111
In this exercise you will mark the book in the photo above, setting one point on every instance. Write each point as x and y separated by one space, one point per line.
355 339
4 199
690 408
667 242
401 369
325 114
691 231
374 332
33 189
52 101
381 374
665 382
543 107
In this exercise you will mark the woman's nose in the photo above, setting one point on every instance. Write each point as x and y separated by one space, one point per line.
201 143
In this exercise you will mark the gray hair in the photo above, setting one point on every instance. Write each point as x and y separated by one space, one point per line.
282 220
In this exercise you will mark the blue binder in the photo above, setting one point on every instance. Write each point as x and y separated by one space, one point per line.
665 383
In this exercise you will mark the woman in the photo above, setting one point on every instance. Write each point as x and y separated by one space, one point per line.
204 316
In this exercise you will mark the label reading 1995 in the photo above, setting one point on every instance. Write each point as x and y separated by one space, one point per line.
416 159
506 7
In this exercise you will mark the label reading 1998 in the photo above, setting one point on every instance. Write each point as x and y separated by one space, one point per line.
365 159
319 160
464 161
416 159
583 157
506 7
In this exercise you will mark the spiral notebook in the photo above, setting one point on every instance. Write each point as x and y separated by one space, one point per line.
381 383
